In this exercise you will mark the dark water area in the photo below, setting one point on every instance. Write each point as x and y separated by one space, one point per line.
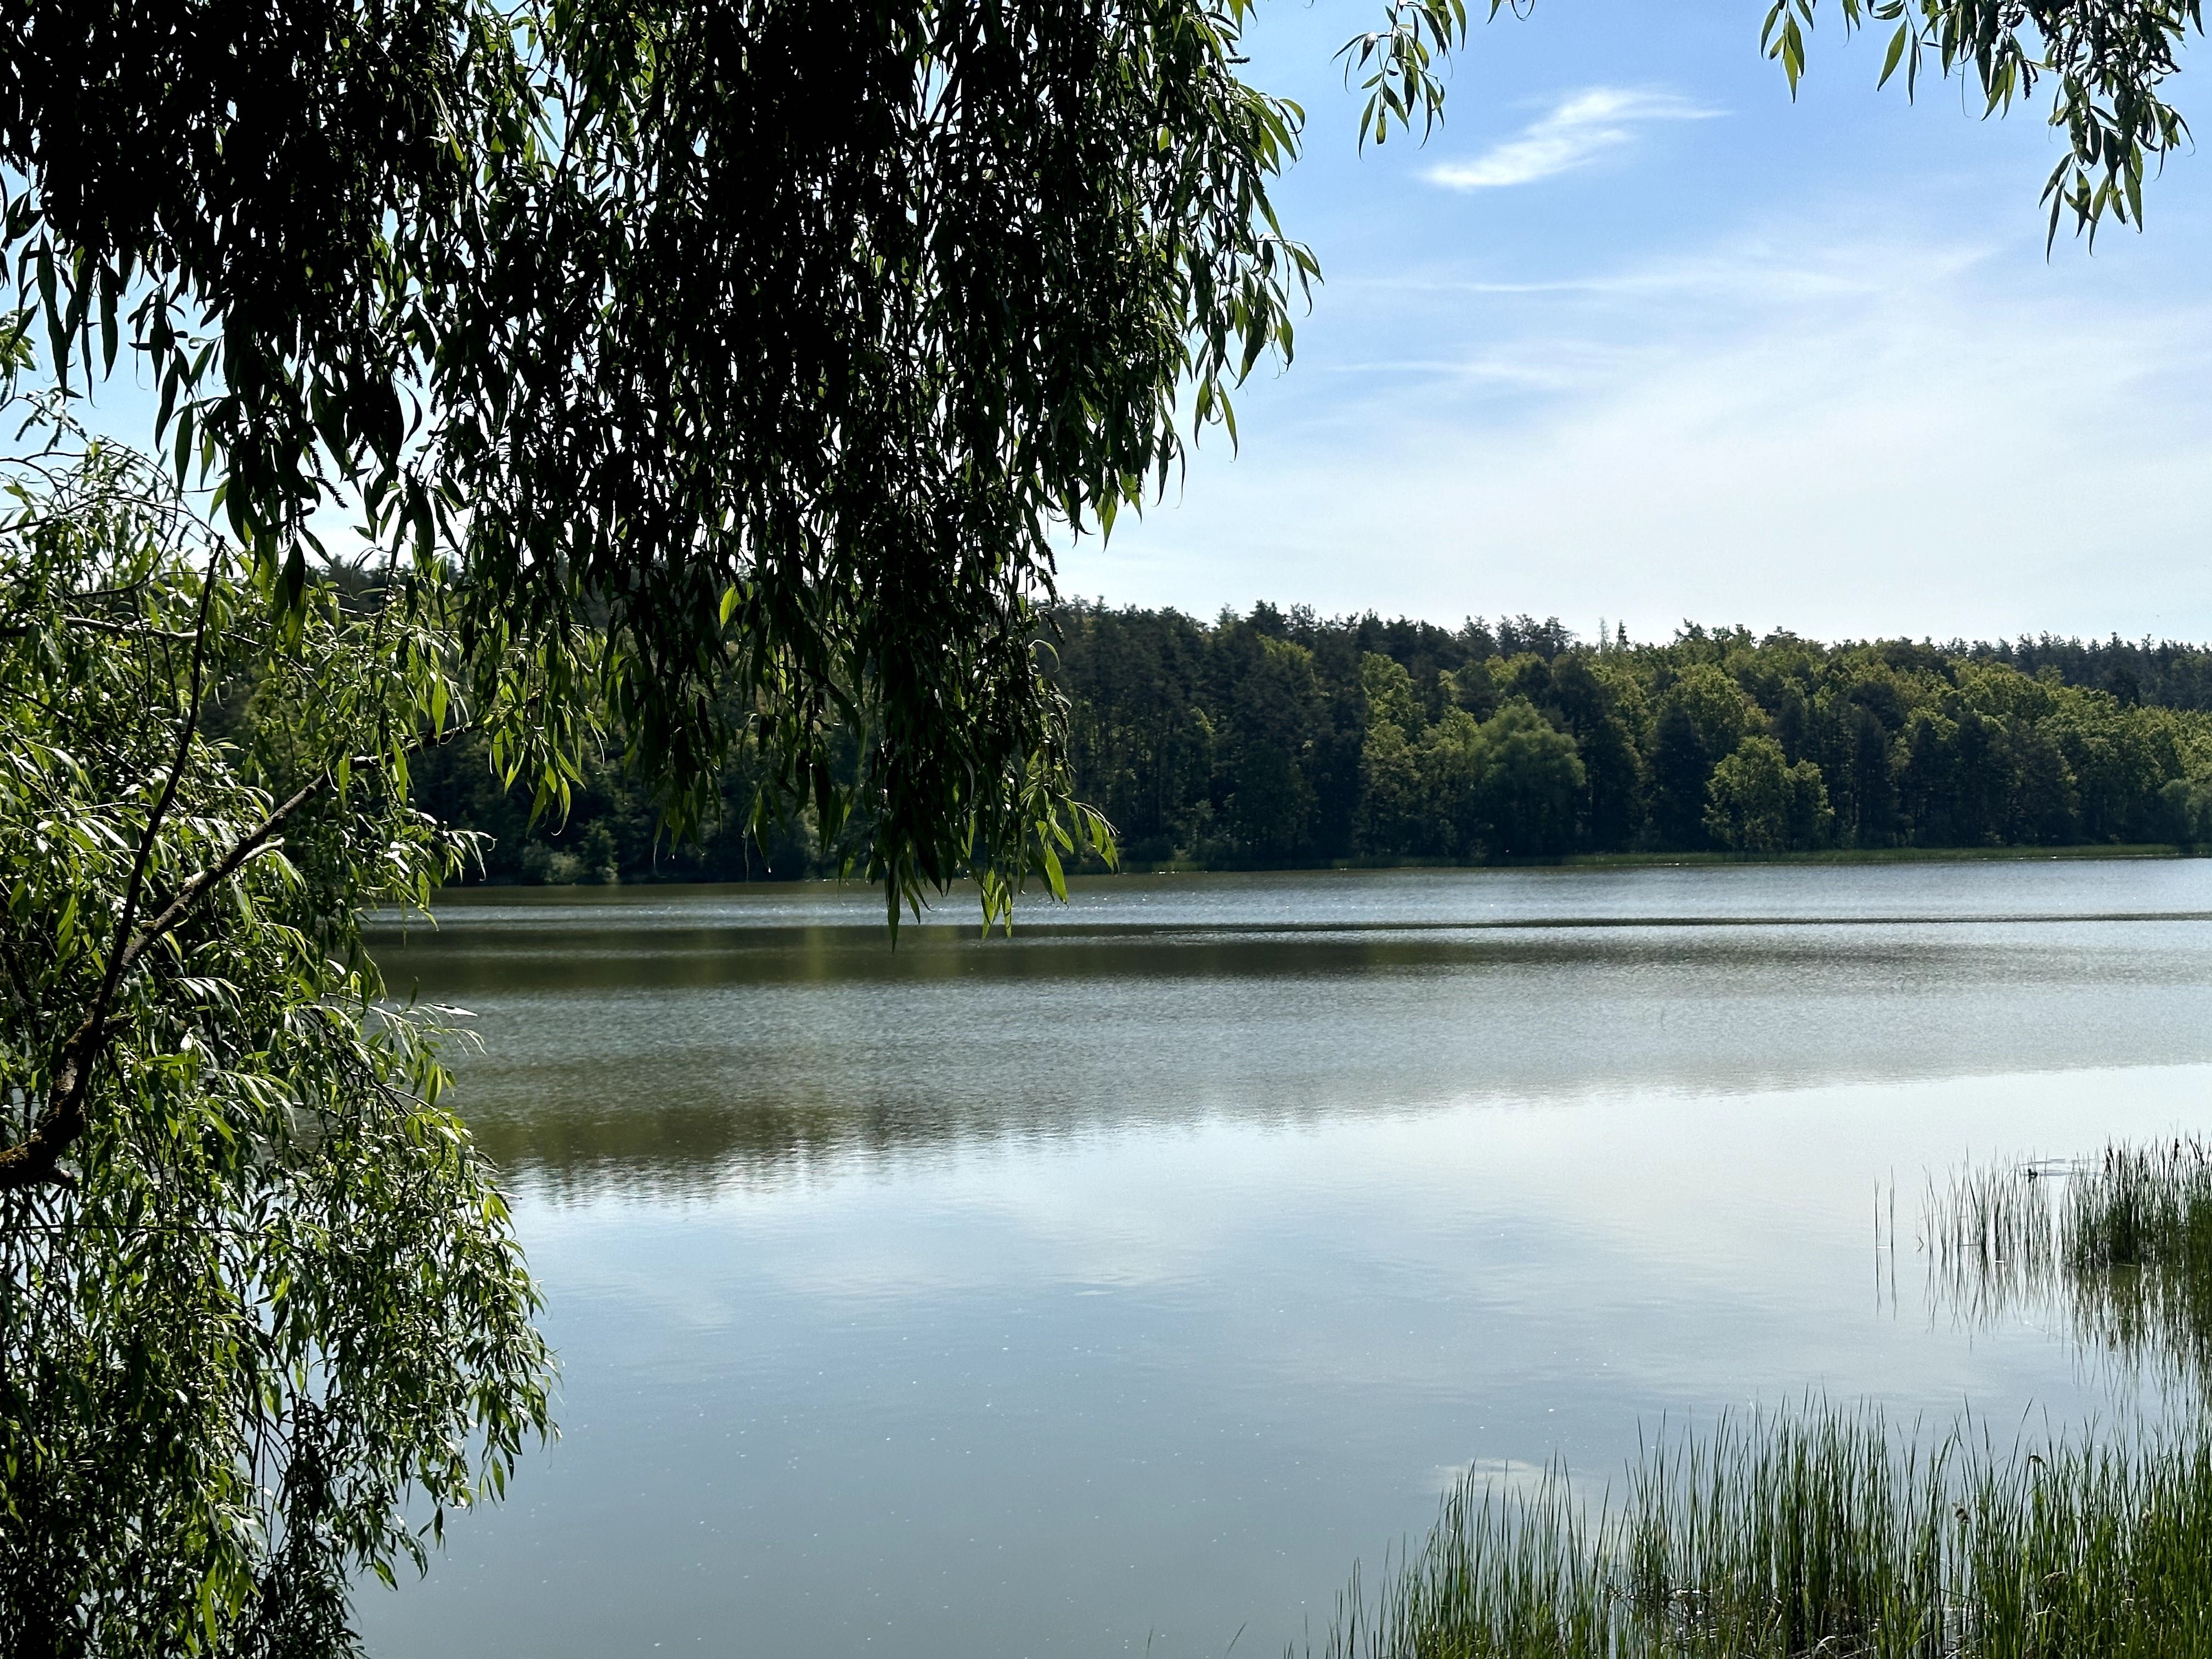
1119 1284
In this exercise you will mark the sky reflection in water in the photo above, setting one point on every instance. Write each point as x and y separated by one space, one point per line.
1130 1278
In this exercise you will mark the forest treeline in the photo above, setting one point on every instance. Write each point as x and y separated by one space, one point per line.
1281 738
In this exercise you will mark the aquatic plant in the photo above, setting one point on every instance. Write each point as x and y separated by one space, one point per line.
1821 1530
2122 1243
1505 1572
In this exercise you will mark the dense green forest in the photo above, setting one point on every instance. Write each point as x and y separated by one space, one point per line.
1282 737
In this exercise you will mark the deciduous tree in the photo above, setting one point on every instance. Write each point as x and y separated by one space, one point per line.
257 1291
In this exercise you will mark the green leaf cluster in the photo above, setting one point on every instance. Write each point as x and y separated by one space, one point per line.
260 1298
778 342
2109 62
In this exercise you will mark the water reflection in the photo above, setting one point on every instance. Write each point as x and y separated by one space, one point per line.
646 1051
2114 1250
1115 1287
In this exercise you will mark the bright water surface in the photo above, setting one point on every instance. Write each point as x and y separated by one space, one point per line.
1117 1286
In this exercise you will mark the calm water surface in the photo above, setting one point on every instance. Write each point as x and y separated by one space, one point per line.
1120 1283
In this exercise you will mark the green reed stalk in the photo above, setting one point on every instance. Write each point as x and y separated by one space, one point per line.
2124 1241
1821 1531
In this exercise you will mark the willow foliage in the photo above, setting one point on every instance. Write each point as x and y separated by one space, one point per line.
258 1294
2108 62
782 338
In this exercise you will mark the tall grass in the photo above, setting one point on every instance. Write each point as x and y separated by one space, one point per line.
1816 1532
2123 1242
1781 1534
1825 1531
1523 1571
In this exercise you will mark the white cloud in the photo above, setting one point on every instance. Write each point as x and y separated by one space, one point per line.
1847 433
1579 128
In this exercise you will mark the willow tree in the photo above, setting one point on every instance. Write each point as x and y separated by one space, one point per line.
2107 63
258 1292
783 336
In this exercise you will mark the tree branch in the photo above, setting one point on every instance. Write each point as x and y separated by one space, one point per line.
102 625
35 1160
128 916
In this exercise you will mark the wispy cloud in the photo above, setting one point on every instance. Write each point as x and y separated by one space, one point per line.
1578 130
1829 423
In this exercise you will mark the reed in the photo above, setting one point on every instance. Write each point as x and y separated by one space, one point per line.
2122 1241
1827 1531
1505 1572
1821 1531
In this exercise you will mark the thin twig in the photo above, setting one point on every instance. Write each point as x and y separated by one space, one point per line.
102 625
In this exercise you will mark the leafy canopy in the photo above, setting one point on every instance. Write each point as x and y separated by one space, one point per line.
257 1289
781 337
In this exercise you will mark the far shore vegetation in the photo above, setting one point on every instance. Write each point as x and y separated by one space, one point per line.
1279 739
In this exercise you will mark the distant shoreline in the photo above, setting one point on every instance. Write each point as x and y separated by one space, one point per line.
2094 851
1661 860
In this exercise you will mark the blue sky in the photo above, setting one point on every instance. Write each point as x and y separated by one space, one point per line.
1634 337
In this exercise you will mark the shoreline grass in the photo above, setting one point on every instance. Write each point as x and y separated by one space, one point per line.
1824 1531
1820 1531
2121 1242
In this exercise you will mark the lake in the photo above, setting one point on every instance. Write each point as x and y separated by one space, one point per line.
1114 1287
